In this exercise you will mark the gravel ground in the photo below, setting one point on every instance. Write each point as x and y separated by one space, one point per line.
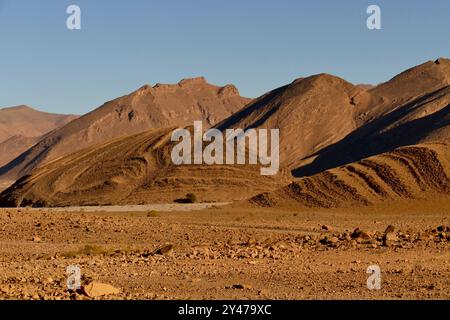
227 253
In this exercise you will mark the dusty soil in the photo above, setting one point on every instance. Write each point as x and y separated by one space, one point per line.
229 253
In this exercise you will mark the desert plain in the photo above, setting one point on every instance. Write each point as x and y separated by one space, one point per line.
228 252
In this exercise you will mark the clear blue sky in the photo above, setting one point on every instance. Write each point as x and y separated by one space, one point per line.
256 44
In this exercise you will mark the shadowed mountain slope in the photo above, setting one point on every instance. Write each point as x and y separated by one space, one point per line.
423 119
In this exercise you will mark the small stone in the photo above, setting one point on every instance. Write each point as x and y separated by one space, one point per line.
389 239
263 292
390 236
4 289
360 234
389 229
36 239
323 239
242 286
332 240
327 228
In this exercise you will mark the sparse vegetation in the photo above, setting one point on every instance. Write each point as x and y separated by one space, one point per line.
87 250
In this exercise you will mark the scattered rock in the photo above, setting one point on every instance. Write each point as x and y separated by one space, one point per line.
36 239
327 228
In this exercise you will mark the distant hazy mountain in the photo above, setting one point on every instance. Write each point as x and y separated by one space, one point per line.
22 126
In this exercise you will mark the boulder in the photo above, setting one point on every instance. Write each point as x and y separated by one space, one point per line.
98 289
166 249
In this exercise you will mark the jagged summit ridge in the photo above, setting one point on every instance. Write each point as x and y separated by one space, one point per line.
188 84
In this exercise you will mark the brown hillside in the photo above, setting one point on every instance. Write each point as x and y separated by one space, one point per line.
14 146
21 127
413 172
28 122
317 113
409 85
134 170
425 118
311 113
149 107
